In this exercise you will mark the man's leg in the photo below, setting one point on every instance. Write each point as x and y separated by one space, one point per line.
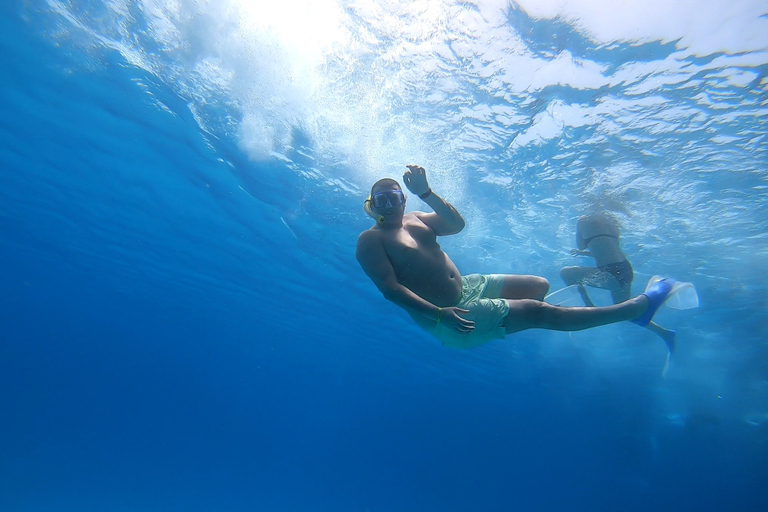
524 287
533 314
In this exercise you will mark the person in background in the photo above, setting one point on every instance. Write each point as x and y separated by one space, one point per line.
402 257
598 236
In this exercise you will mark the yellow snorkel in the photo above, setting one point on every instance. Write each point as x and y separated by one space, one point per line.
369 211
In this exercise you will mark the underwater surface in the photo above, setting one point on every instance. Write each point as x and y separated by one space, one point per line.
183 323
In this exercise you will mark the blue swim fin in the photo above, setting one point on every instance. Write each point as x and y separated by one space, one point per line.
682 295
657 293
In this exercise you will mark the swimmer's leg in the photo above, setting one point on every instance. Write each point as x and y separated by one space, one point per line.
524 287
532 314
580 275
620 293
583 292
596 278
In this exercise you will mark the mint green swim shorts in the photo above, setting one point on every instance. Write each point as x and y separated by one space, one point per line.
480 295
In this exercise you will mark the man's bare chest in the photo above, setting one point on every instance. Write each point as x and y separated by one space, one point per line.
409 247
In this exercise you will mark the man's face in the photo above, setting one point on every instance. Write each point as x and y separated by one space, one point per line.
388 200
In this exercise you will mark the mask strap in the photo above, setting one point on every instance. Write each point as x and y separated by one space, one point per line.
367 208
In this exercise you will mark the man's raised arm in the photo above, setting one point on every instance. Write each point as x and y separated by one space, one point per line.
446 220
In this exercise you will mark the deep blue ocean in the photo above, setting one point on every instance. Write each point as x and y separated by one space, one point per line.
183 323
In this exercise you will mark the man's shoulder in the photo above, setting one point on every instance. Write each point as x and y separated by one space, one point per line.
419 221
370 244
370 236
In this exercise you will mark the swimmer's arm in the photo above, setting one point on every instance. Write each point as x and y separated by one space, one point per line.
581 243
375 262
445 220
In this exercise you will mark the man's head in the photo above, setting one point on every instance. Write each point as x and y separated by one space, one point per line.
386 201
385 184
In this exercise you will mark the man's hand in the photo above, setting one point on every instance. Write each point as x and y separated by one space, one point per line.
577 252
450 317
415 179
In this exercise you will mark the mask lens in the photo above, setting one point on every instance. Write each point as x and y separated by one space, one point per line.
391 197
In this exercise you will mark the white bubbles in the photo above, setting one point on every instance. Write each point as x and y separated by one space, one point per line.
260 138
477 92
703 27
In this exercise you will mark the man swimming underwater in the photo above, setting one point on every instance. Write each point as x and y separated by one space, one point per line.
401 256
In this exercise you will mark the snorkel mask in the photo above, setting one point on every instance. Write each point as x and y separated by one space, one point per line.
384 199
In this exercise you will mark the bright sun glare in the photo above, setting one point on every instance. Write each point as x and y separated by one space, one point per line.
308 29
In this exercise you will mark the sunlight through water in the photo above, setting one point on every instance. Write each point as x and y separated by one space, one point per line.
183 192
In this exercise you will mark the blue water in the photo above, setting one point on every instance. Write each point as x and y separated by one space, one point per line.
183 323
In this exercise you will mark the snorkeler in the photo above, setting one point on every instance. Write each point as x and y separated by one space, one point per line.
402 257
597 236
